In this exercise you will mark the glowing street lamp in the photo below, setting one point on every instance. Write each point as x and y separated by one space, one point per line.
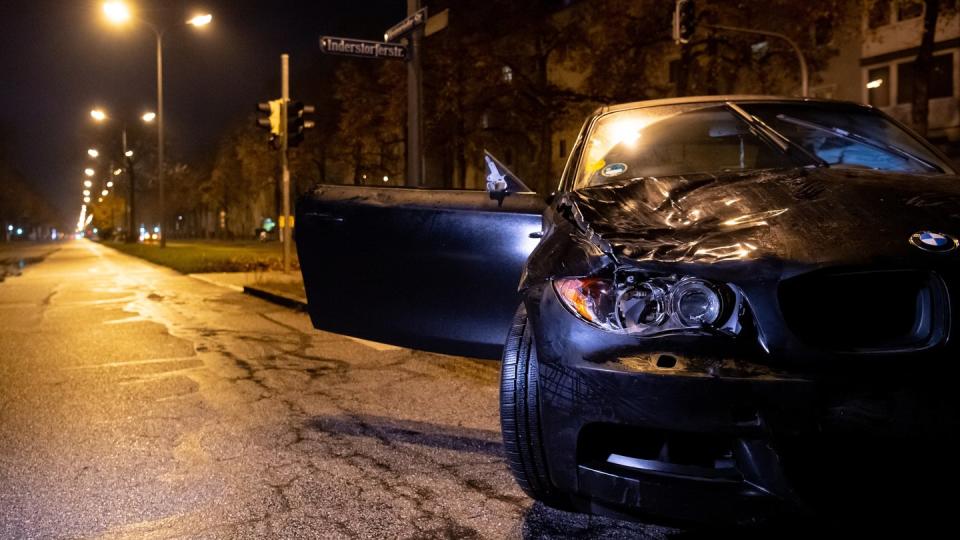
89 172
104 193
118 172
98 115
200 20
149 117
86 200
128 153
116 12
86 193
93 153
110 184
87 183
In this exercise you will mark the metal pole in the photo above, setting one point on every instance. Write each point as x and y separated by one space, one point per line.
284 164
804 75
163 209
131 187
414 103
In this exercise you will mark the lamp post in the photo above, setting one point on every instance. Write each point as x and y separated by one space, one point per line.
100 116
117 12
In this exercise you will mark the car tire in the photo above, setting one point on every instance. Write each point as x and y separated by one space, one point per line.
520 413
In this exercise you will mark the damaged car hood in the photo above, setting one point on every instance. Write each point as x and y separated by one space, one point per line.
815 216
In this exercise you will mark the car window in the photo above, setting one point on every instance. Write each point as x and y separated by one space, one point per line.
848 135
671 140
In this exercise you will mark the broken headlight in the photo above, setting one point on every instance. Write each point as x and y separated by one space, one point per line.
651 305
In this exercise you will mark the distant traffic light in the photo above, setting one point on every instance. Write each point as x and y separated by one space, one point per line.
684 21
296 123
268 117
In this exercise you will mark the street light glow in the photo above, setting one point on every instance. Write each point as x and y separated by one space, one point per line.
86 193
110 184
876 83
201 20
104 193
87 183
86 199
89 172
118 172
129 153
116 12
149 117
98 115
93 153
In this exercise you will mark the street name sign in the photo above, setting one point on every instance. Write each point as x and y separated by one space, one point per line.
405 26
362 48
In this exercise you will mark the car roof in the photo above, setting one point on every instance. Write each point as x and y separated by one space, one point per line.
719 99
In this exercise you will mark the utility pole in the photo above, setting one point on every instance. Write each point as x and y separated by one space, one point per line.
163 206
131 189
284 162
414 102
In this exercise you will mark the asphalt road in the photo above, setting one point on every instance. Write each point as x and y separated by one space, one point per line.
136 402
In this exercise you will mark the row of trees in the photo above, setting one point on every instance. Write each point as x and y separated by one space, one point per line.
505 76
21 207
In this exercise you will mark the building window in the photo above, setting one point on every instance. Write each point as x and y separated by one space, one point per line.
674 73
563 148
941 79
879 14
878 86
909 9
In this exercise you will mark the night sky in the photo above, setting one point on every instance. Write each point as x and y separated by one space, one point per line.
59 59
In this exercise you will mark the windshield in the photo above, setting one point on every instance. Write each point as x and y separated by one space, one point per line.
674 139
845 135
709 138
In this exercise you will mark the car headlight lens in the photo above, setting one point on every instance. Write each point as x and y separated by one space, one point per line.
696 302
651 306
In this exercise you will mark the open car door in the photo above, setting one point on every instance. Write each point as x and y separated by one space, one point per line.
428 269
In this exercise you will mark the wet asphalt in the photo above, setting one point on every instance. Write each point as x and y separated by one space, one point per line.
136 402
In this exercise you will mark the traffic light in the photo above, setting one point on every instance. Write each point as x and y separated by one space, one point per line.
296 123
684 21
268 117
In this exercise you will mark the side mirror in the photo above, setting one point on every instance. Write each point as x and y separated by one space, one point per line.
500 180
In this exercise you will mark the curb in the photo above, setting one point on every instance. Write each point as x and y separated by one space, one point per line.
280 299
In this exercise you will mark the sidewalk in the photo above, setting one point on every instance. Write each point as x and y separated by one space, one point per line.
275 286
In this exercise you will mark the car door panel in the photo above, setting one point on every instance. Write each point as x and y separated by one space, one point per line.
429 269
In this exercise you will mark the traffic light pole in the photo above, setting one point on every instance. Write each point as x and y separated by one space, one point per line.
414 102
804 74
285 224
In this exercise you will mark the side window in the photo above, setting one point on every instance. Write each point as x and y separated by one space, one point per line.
569 170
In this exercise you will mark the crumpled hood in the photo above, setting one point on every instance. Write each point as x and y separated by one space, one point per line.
816 216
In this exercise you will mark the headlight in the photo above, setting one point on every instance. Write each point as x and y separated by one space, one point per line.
648 306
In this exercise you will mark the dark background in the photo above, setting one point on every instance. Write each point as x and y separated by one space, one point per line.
59 59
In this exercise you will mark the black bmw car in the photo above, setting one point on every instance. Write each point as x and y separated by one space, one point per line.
731 308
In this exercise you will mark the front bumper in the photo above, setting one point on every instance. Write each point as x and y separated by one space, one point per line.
710 437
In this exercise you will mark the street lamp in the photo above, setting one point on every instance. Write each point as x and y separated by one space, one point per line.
89 172
117 13
149 117
93 153
98 115
87 183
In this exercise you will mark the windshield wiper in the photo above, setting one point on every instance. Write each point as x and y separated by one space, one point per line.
882 146
772 135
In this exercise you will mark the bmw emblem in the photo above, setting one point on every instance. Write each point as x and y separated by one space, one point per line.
933 241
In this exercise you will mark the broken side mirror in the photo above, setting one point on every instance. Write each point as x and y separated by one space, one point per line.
501 181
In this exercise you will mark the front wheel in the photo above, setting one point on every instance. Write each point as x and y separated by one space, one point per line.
520 413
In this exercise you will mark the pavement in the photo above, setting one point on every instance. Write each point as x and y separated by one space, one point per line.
136 402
